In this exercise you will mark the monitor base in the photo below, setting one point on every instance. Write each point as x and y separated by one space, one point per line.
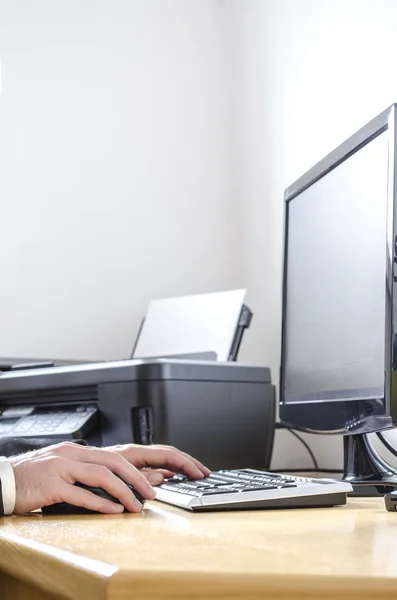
364 469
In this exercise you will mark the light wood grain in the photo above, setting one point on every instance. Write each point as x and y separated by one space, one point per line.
49 568
169 553
12 588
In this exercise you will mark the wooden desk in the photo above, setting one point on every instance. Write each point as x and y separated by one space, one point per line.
165 553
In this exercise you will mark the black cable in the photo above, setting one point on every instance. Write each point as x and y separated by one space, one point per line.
386 443
282 425
306 445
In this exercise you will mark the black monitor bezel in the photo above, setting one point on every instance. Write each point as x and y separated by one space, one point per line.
354 415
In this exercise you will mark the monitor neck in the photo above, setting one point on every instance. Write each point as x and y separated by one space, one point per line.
367 472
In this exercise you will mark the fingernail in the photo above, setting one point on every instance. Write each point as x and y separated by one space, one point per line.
155 478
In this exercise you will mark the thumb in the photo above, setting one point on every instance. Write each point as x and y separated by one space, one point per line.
153 477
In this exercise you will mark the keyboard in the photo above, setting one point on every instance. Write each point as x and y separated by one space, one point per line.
241 489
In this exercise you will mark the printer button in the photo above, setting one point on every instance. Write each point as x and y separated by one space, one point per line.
24 426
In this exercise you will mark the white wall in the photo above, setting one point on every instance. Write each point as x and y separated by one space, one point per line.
309 74
115 176
145 146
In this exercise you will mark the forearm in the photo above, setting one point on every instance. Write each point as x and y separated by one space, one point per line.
7 487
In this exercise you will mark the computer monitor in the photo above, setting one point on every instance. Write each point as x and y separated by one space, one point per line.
339 351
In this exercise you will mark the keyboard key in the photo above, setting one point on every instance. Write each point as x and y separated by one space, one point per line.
188 486
172 488
215 492
257 488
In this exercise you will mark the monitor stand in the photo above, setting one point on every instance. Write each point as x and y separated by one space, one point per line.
364 469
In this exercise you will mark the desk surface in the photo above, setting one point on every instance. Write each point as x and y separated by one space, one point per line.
165 552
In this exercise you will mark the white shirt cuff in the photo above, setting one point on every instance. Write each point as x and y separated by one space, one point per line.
7 485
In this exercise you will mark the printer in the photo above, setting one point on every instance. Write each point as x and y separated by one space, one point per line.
222 413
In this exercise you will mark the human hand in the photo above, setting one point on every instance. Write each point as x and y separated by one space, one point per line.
46 476
157 462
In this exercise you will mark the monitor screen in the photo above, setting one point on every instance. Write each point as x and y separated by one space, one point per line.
335 287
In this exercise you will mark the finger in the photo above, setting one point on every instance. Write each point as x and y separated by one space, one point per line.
100 476
116 463
165 457
205 470
164 472
80 497
136 454
156 476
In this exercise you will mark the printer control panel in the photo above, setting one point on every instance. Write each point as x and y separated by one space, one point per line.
65 422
